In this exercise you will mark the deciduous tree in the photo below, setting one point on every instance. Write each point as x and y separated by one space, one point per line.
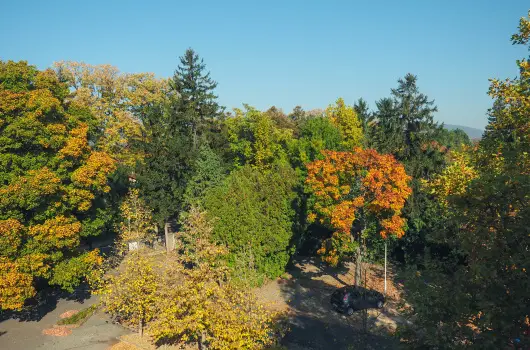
355 191
50 178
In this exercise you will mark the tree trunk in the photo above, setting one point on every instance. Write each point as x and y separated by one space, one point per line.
358 265
201 342
141 327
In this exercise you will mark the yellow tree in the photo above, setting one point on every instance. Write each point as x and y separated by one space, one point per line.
455 178
113 97
50 177
198 304
130 294
346 120
137 224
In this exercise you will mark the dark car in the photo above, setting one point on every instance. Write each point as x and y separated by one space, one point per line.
349 299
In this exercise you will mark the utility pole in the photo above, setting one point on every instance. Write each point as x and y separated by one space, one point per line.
385 266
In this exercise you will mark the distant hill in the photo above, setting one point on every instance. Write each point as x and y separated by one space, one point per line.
473 133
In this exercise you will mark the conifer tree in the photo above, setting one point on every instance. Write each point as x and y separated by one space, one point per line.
172 132
197 103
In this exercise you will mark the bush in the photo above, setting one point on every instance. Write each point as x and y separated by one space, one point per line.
80 317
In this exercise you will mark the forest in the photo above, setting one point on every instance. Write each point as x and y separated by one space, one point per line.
90 154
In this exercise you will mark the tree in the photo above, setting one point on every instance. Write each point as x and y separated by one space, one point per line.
50 178
137 222
403 125
131 295
198 304
255 139
356 194
172 132
281 120
197 102
345 119
113 98
316 134
254 217
455 178
208 172
485 305
363 113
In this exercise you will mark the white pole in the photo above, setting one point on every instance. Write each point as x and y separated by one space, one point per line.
385 266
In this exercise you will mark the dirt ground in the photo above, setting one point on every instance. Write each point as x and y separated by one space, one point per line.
306 293
24 330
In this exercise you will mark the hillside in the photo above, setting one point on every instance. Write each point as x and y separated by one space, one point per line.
473 133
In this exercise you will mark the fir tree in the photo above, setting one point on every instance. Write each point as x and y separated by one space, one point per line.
197 103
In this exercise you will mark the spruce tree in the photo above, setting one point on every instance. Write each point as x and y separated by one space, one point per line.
197 104
404 126
173 130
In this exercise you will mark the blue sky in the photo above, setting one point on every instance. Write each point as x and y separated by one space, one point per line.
286 53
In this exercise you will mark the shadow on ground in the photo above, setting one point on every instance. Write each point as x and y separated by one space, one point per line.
315 325
44 302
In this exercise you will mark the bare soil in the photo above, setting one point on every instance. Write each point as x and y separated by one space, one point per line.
305 294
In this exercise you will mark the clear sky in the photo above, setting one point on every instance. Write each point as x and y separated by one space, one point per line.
286 53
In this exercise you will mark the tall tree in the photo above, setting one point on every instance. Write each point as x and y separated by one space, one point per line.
482 286
197 103
163 174
113 98
357 194
363 113
403 125
50 178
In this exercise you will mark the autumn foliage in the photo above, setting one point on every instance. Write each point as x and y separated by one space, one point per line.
50 176
362 185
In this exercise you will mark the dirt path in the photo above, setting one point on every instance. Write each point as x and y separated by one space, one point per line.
314 324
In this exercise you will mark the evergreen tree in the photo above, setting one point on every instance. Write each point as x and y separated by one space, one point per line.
163 175
208 171
404 127
363 113
197 102
173 132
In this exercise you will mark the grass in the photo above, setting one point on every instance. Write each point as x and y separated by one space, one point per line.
80 317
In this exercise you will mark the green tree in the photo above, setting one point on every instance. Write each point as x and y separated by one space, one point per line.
173 131
482 285
253 217
403 125
162 176
255 139
316 134
208 171
197 103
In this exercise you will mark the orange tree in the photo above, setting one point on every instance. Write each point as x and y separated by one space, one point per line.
356 194
50 178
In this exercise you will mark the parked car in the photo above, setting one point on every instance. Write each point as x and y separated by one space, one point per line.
350 299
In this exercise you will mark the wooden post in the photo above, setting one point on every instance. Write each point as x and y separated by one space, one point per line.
170 238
